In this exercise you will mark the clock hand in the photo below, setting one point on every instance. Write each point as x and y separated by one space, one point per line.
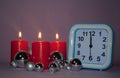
90 44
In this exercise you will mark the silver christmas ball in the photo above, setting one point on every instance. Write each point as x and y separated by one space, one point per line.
57 56
39 67
30 66
76 64
66 64
52 70
21 58
14 64
53 67
61 65
68 67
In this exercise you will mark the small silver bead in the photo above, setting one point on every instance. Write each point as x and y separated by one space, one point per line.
14 64
53 67
39 67
30 66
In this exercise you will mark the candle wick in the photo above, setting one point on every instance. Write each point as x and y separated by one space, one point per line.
57 39
19 38
39 39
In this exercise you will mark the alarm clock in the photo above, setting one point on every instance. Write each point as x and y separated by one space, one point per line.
92 45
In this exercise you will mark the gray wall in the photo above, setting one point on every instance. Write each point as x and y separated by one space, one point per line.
51 16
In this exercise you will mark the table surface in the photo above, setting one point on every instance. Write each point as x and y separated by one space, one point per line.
6 71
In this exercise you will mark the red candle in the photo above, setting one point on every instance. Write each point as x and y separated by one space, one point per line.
40 52
59 46
18 46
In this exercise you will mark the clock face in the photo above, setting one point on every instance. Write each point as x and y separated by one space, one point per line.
92 44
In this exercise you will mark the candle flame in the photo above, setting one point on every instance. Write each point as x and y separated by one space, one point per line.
39 36
20 35
57 36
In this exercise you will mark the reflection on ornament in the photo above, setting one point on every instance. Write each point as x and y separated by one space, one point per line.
30 66
39 67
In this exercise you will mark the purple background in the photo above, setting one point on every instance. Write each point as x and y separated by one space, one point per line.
51 16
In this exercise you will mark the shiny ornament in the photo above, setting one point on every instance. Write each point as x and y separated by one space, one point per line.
68 67
57 56
61 64
14 64
66 64
39 67
53 67
30 66
76 64
21 58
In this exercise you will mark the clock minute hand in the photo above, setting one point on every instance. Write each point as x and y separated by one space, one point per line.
90 44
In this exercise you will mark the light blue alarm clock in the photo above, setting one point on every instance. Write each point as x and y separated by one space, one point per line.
92 45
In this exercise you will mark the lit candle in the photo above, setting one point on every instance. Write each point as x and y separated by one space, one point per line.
58 46
18 46
41 51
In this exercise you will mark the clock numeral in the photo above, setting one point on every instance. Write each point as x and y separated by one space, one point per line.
83 57
81 38
90 58
98 58
92 33
103 46
103 54
104 39
79 45
78 52
85 33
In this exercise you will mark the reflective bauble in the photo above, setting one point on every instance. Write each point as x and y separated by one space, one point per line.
66 64
75 61
68 67
53 67
57 56
30 66
76 64
61 64
21 58
14 64
39 67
